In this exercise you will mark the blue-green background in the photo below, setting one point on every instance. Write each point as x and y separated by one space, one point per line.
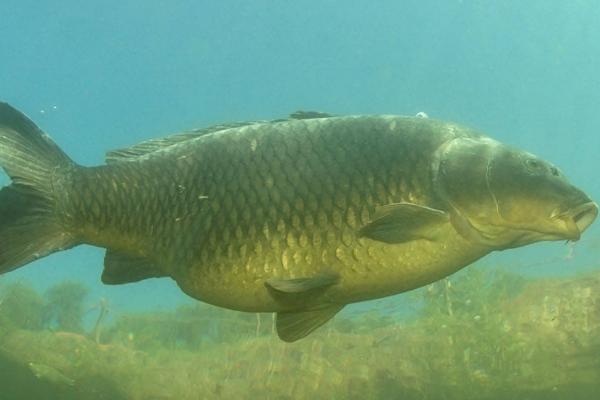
103 75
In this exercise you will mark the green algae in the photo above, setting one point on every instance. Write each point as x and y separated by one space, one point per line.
21 307
481 334
64 306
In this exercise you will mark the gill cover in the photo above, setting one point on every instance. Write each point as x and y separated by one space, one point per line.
462 180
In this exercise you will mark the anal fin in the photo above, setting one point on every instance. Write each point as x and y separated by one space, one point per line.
122 268
292 326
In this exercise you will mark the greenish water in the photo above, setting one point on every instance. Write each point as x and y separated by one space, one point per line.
522 324
484 333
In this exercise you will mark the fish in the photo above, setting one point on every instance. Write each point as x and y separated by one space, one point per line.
50 374
297 216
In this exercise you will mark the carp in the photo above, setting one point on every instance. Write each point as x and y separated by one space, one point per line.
299 216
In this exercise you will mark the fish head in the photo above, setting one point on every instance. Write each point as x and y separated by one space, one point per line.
503 197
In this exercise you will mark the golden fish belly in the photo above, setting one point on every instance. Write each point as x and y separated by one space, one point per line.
367 269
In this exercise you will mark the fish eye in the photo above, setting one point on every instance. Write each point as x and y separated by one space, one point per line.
533 165
554 171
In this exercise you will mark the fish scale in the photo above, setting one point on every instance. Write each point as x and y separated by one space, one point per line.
338 174
297 216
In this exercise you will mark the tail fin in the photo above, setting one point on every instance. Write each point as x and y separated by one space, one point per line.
29 226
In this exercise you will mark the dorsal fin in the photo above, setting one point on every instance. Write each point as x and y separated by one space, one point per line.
146 147
152 145
300 114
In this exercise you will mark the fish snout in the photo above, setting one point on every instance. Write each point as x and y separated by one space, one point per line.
584 215
577 219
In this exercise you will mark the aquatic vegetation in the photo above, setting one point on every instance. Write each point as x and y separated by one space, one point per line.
64 306
482 334
22 307
99 325
188 327
470 293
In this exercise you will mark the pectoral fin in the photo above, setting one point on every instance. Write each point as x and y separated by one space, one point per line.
292 326
403 222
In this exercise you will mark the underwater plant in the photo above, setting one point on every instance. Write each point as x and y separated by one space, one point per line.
187 327
471 292
64 306
103 308
484 334
22 307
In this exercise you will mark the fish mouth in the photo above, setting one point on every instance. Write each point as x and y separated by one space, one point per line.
578 219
